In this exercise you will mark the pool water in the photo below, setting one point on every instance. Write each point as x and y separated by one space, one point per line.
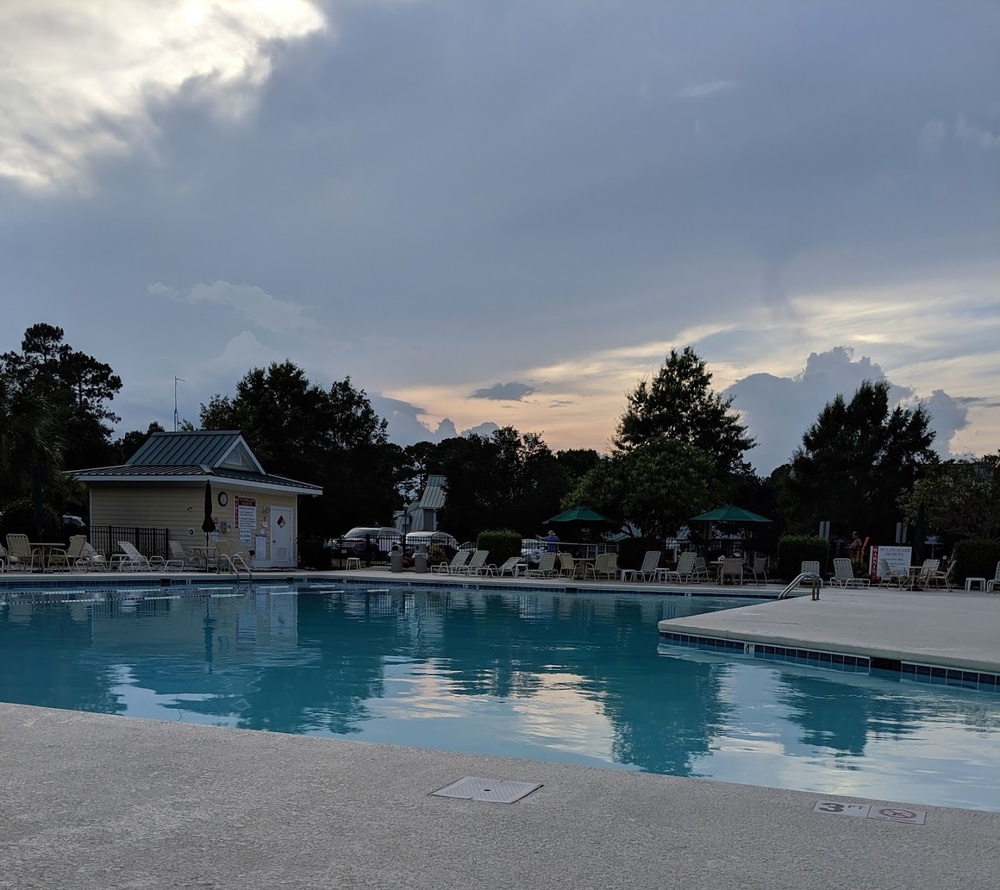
554 677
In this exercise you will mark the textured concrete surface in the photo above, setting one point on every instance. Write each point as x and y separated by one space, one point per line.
95 802
953 628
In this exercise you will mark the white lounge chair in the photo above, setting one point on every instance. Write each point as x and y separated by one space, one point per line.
457 563
510 566
648 570
91 560
810 572
476 564
546 567
567 566
732 567
843 574
133 560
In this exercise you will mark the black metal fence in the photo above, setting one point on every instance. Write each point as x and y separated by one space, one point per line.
148 541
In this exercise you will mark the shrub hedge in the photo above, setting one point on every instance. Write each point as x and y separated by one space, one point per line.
976 558
793 550
502 544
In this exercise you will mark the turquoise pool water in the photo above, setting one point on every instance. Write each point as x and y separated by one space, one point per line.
563 677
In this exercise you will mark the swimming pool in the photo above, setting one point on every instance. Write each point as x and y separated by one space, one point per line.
562 677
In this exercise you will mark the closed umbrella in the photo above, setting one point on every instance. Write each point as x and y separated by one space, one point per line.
208 524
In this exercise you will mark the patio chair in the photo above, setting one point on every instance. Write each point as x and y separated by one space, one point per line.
20 554
458 561
759 569
133 560
3 559
606 566
567 566
178 557
65 557
700 570
732 568
991 585
931 574
546 567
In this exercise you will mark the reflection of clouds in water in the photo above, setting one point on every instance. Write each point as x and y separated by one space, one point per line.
918 744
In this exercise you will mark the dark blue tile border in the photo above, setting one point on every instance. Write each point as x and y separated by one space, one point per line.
982 681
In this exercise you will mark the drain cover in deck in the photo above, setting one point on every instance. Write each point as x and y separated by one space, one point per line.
492 790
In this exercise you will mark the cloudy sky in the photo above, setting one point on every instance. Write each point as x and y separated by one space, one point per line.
508 211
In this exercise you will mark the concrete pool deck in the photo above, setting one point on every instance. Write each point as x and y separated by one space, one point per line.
96 802
93 801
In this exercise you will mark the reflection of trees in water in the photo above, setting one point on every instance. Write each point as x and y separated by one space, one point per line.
836 713
31 673
501 645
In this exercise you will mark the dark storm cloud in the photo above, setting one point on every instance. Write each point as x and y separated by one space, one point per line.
504 392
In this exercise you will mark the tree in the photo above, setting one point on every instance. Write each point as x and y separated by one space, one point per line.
77 388
30 442
961 498
330 437
679 404
856 461
657 486
508 480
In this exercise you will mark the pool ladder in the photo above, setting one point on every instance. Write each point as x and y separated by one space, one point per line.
802 576
237 565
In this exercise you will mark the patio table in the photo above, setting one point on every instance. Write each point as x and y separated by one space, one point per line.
44 549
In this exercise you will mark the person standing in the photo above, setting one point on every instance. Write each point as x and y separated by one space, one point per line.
551 542
857 550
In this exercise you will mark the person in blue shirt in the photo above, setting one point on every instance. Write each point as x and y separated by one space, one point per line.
551 542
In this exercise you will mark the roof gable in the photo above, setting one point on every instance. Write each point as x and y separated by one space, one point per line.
208 448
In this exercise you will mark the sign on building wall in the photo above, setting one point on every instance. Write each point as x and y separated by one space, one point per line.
245 517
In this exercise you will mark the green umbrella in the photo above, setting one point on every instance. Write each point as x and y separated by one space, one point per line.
582 516
729 514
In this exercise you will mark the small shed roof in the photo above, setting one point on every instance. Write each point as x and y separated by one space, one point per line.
196 455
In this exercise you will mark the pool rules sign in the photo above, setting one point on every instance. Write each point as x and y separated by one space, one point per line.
245 518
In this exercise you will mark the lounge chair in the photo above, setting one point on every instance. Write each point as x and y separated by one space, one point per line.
546 567
810 572
178 557
843 574
685 566
759 569
91 560
930 574
649 570
476 564
888 577
3 559
133 560
457 563
510 566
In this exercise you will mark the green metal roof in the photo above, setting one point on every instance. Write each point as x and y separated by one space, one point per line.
202 447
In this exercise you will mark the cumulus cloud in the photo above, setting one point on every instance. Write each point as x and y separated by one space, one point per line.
779 410
504 392
80 78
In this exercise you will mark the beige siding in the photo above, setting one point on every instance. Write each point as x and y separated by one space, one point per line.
181 508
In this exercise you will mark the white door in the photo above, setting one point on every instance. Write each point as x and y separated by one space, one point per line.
281 537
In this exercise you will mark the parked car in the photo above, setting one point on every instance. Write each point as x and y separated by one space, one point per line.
429 539
365 539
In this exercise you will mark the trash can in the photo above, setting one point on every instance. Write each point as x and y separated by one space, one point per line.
396 561
420 559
